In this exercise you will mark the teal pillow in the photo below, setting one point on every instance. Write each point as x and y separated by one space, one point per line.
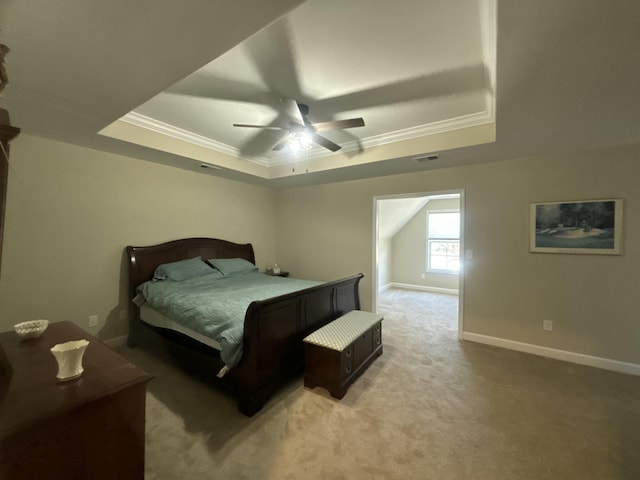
230 266
182 270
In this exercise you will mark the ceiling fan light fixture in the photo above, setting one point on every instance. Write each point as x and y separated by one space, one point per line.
300 141
302 133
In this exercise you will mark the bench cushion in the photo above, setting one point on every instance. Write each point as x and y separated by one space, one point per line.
340 333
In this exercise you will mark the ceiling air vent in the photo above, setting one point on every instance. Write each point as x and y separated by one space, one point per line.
208 165
426 158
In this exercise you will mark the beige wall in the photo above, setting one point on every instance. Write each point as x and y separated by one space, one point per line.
327 231
385 261
71 211
409 250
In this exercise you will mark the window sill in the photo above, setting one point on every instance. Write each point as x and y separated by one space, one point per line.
442 272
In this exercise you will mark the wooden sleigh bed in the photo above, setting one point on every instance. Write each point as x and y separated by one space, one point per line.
273 350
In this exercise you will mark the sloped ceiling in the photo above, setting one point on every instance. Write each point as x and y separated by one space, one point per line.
552 77
394 213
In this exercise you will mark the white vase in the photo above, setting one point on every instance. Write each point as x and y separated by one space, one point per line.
69 358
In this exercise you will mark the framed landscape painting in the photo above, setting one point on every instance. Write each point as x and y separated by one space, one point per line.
588 226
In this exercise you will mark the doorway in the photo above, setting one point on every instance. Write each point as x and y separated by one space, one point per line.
418 247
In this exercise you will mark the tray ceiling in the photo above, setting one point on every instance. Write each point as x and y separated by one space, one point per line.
471 80
413 70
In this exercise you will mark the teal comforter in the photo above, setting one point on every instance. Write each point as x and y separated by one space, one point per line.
215 306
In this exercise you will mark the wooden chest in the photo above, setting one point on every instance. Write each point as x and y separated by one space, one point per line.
336 354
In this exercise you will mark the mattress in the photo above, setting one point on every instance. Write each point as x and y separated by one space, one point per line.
154 318
215 306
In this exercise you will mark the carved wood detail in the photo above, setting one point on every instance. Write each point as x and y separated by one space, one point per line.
7 133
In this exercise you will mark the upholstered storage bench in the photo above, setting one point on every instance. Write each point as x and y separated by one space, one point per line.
336 354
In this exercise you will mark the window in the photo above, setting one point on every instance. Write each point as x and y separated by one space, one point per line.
443 242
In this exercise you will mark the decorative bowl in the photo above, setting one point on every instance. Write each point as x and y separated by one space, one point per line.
31 328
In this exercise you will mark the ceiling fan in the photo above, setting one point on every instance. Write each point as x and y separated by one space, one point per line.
301 133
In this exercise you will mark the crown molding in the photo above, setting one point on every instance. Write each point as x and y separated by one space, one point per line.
457 123
163 128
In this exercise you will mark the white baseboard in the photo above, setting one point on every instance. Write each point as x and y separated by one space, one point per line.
579 358
116 342
422 288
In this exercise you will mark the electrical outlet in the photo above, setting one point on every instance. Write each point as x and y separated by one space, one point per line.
547 325
423 276
93 320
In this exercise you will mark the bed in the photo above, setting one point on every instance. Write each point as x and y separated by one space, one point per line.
272 347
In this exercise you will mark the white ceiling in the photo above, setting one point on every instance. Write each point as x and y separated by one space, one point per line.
362 58
563 76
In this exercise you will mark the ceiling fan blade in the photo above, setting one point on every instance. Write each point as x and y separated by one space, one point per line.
271 52
471 78
210 86
293 111
338 124
264 127
325 142
264 138
281 144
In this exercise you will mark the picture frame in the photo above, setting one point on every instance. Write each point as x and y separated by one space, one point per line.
581 226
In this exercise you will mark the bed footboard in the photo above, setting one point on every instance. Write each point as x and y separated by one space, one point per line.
273 350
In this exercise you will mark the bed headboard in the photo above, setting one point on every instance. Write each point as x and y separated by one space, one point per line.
143 261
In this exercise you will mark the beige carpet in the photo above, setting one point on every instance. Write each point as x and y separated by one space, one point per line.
431 407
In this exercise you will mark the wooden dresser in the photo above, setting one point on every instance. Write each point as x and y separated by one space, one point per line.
88 428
